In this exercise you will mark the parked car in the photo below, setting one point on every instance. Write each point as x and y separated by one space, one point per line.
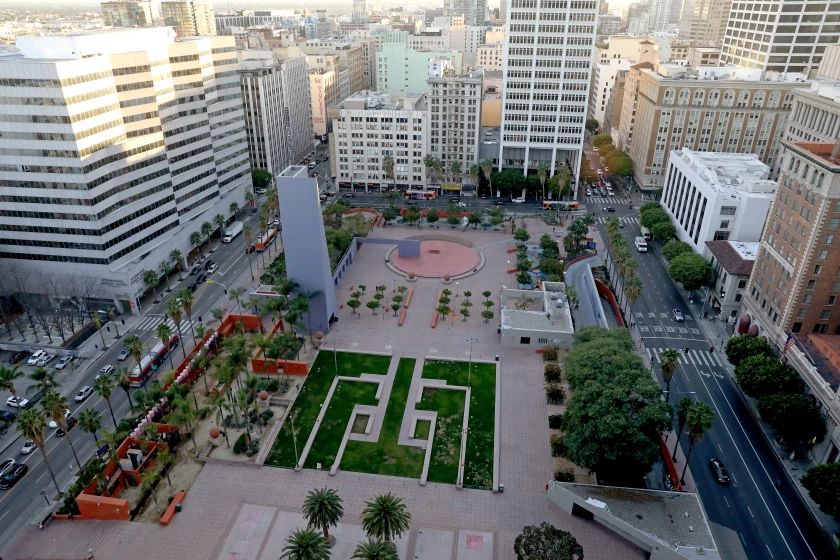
201 278
6 466
251 248
411 203
28 447
13 402
70 423
124 355
350 195
54 424
18 357
64 362
195 270
7 416
213 268
193 287
499 202
678 316
519 200
455 198
83 393
312 165
106 370
719 471
33 359
12 477
209 263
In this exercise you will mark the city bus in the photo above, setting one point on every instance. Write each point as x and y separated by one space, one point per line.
412 194
265 240
558 205
150 362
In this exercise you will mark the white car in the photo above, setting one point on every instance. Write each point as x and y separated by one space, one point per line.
123 355
54 424
678 316
11 401
83 393
213 268
28 447
45 359
33 359
106 370
64 362
7 466
519 200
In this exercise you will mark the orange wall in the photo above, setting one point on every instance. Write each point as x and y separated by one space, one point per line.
103 508
603 291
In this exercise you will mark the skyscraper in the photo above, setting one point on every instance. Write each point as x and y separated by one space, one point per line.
134 13
782 36
704 21
115 146
189 18
474 11
360 11
547 73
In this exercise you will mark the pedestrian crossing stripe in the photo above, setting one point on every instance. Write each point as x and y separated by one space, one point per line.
623 219
694 357
152 322
607 200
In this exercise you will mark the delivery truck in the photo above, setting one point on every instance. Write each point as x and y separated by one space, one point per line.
232 231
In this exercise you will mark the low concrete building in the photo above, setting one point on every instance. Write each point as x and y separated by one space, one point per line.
732 262
536 318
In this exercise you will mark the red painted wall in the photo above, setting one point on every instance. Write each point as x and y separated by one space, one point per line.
605 292
103 508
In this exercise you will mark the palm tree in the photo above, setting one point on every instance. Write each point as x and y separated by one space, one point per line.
112 316
173 308
165 268
682 409
322 509
54 406
698 420
632 290
184 414
164 457
487 169
305 544
124 383
234 294
234 209
113 440
31 425
220 223
7 380
542 173
221 404
134 345
177 258
385 517
103 387
150 480
475 171
248 235
218 314
262 220
249 196
185 296
206 231
388 167
669 359
195 241
429 164
437 167
150 278
164 333
90 421
455 169
44 381
375 549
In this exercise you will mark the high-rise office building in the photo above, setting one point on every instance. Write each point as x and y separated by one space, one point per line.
276 100
400 68
189 18
782 36
659 14
704 21
473 11
115 146
548 68
361 13
503 5
135 13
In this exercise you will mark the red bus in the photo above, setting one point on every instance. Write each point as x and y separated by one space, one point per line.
420 195
265 240
140 374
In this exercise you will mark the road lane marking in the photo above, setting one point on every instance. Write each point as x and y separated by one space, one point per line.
42 476
770 551
751 512
727 502
4 515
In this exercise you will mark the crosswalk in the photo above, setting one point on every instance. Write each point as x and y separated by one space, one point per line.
608 200
151 322
623 219
693 357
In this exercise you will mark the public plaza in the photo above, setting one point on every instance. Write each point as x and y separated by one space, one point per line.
243 511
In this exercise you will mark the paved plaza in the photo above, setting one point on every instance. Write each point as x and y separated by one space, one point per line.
244 513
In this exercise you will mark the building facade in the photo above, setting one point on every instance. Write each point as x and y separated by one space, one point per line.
783 36
715 196
400 68
189 18
325 91
351 56
548 68
603 82
732 263
815 116
115 147
454 118
714 109
609 24
491 57
473 11
704 21
370 125
278 112
612 114
139 13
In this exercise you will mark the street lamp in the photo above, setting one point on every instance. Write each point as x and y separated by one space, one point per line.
218 284
44 494
456 288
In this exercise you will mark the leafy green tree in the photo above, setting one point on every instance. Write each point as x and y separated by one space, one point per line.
738 348
763 375
390 214
374 549
509 181
546 541
691 270
260 178
305 544
474 218
601 140
373 305
522 235
673 249
433 216
649 205
411 217
452 211
322 509
663 231
793 416
385 517
653 216
592 125
822 482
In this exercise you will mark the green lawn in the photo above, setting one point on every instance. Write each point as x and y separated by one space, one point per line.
478 471
312 394
421 430
446 446
386 456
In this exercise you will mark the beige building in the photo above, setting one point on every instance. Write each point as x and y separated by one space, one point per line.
138 13
704 21
189 18
491 102
612 114
720 109
351 56
829 67
325 92
815 116
622 131
491 56
703 56
634 49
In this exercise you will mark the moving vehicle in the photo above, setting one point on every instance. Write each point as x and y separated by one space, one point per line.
18 357
232 231
641 245
420 195
7 416
719 471
201 278
250 248
139 374
263 241
209 263
124 355
83 393
11 478
212 268
33 359
646 233
54 424
64 362
70 423
411 203
106 370
678 316
28 447
499 202
558 205
13 402
312 165
609 209
519 200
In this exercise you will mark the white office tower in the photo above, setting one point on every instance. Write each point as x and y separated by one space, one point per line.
473 11
115 146
360 11
276 99
546 83
782 36
659 14
189 17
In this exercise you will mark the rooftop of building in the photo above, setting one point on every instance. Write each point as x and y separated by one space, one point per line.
828 89
736 257
823 351
384 101
548 312
729 173
676 519
825 153
666 71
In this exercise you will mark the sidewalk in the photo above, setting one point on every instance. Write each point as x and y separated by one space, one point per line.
718 332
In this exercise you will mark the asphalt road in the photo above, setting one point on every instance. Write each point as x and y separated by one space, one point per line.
19 505
770 522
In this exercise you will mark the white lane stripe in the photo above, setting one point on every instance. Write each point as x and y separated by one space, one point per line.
715 358
698 355
650 356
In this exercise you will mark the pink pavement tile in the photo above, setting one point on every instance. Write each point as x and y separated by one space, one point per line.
254 515
475 542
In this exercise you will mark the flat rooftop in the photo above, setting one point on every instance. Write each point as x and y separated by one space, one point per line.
728 172
820 151
543 314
